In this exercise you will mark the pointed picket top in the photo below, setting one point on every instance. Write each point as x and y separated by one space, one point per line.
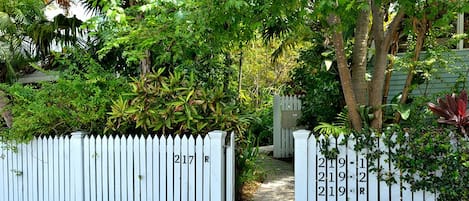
199 140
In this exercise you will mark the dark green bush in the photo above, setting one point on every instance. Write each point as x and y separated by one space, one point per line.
440 159
74 102
322 97
430 156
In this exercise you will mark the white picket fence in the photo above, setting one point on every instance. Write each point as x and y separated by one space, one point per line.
346 177
89 168
287 110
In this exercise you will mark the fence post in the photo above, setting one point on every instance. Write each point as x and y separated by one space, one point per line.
277 126
301 164
230 169
217 163
76 162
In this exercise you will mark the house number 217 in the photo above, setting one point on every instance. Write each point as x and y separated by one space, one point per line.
184 159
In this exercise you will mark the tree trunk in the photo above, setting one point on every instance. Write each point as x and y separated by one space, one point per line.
240 73
382 44
360 49
344 73
389 69
145 63
421 28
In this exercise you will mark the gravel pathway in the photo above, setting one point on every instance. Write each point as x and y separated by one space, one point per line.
279 181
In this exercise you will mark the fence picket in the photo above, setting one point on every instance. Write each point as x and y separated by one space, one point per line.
362 176
418 196
86 165
99 168
395 192
8 175
118 155
384 190
163 161
105 168
14 172
155 168
111 167
130 165
341 169
373 190
30 171
192 171
41 168
25 173
149 170
47 169
185 162
3 170
50 169
92 171
124 168
321 188
207 169
405 187
169 168
177 161
143 169
66 166
331 166
429 196
311 157
352 170
230 168
199 167
137 166
55 145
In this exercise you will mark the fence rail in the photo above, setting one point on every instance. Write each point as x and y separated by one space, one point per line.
287 110
347 176
82 167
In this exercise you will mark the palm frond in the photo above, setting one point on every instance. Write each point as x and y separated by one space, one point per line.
329 129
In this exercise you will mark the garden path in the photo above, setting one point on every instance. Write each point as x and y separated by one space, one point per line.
279 181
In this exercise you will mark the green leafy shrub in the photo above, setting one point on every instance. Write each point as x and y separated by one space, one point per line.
262 127
175 105
247 166
430 156
322 98
435 160
74 102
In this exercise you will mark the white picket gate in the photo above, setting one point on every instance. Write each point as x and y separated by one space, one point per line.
346 177
287 110
89 168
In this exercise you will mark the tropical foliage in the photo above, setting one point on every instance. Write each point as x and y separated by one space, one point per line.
176 105
27 36
453 111
77 101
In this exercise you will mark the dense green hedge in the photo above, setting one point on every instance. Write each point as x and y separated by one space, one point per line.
56 108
